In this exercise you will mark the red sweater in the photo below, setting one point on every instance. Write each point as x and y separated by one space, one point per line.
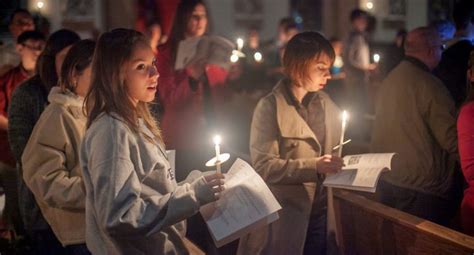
8 82
466 152
184 123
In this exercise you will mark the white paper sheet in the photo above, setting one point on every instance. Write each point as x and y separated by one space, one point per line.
186 51
247 203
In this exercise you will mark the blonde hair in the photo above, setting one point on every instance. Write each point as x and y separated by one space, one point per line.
108 92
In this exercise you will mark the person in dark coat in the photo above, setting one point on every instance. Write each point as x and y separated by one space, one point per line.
452 68
27 103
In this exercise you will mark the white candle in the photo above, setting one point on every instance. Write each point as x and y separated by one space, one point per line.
217 141
343 131
240 43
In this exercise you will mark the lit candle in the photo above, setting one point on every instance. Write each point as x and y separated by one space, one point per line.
376 57
240 43
234 58
343 131
217 141
40 4
369 5
257 56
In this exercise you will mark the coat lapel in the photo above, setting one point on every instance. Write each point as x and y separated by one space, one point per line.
289 121
291 124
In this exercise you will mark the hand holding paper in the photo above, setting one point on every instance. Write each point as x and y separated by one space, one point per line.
246 203
329 164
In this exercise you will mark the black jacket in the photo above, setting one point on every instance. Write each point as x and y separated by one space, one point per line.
452 70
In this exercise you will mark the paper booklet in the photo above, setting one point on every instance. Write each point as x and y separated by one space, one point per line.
186 52
361 172
246 204
213 49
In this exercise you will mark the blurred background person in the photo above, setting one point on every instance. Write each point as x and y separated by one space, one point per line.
287 28
189 97
29 45
154 34
445 28
20 21
395 53
357 63
466 152
27 103
186 93
452 68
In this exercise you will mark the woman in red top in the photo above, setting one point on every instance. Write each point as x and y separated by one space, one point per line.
466 152
188 93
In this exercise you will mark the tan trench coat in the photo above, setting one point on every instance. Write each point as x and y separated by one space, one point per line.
284 150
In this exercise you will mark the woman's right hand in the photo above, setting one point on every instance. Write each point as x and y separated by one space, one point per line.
329 164
215 182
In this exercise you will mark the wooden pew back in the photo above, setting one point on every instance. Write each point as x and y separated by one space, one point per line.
367 227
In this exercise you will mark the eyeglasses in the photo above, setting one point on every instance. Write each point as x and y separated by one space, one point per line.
34 48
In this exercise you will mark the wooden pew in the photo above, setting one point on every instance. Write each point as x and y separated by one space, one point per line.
367 227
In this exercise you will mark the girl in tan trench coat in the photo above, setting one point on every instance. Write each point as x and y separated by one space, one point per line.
293 131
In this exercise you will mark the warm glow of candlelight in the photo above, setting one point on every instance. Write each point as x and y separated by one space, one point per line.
217 139
369 5
234 58
40 4
345 116
376 57
257 56
240 43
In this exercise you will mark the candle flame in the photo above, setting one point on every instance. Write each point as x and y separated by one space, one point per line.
376 57
40 4
345 115
257 56
234 58
217 139
240 43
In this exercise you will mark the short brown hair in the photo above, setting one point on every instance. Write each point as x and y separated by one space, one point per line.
302 50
